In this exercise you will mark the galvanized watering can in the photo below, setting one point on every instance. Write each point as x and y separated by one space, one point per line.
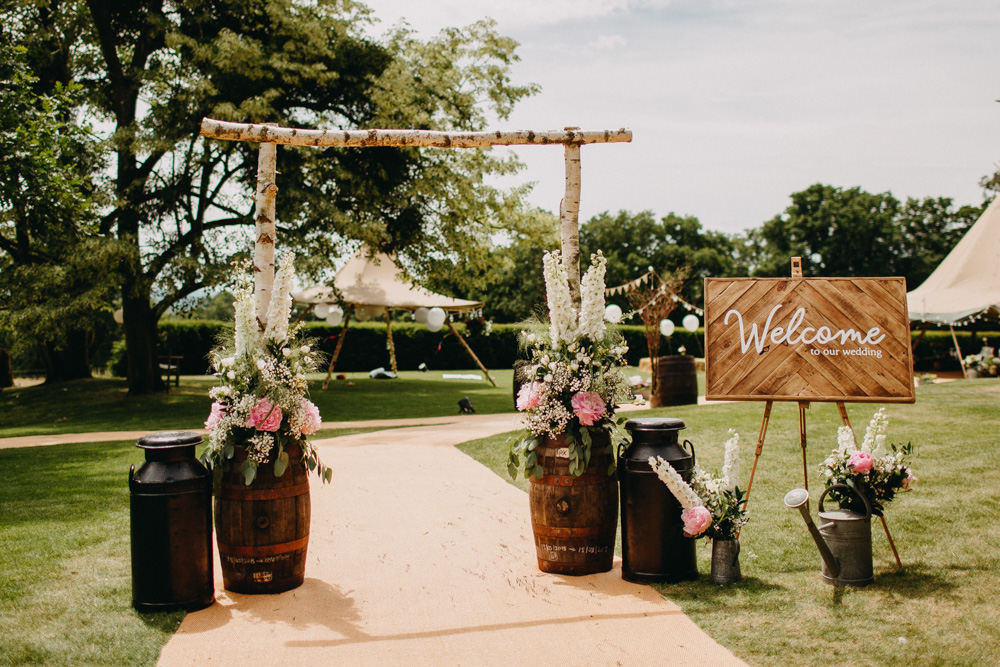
844 539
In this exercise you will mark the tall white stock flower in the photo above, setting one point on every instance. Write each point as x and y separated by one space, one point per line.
731 466
684 494
247 332
280 308
592 299
875 434
845 440
562 315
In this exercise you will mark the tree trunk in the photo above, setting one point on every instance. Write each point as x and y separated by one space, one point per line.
140 346
71 361
6 374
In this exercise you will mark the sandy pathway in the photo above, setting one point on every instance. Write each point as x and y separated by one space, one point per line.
421 556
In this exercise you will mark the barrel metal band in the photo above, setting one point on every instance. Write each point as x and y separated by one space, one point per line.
556 531
569 480
268 550
231 493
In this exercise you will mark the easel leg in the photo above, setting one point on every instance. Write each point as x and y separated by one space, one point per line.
760 448
803 406
847 422
340 342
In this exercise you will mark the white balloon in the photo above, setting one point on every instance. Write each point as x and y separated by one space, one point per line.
322 310
613 314
435 318
119 316
334 315
420 315
666 327
690 322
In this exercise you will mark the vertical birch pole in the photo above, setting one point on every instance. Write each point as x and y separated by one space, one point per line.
264 233
569 215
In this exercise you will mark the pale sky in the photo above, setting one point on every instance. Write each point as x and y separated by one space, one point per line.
736 105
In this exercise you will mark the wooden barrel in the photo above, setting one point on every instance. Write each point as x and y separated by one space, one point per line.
574 519
677 381
263 529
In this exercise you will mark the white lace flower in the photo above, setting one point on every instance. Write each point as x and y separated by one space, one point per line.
685 494
592 299
280 308
731 467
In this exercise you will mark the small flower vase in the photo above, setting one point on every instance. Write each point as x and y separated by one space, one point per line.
725 561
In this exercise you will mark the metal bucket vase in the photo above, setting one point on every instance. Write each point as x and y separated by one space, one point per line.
262 529
574 519
725 561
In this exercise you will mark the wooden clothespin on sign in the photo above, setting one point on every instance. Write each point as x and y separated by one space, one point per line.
796 267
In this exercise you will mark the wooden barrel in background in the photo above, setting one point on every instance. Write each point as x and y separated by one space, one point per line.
677 381
574 519
263 529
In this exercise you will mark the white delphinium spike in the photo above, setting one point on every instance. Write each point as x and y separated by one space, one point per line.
592 299
685 494
845 439
731 466
247 332
280 308
874 442
562 315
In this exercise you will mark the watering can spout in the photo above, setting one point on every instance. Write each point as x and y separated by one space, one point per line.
799 499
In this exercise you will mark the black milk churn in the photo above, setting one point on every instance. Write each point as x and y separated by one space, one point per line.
654 548
171 513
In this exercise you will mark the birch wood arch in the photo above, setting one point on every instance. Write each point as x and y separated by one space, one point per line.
269 135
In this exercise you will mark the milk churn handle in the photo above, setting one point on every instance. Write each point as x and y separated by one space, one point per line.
694 459
868 505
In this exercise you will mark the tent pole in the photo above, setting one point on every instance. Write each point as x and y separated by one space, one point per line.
471 353
392 348
305 312
340 343
958 350
923 330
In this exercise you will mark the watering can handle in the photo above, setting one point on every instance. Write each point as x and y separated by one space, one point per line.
694 459
868 505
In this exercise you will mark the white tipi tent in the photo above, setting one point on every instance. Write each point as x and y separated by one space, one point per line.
375 283
967 282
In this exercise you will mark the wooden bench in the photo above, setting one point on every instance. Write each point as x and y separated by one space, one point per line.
170 364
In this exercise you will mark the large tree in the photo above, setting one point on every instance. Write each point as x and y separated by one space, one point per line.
56 272
154 68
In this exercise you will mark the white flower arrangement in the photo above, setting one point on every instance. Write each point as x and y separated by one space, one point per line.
575 380
871 469
713 507
261 402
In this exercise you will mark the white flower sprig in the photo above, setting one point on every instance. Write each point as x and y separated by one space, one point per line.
731 466
874 441
280 309
682 491
562 314
592 299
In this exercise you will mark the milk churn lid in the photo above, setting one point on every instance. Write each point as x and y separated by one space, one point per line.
655 424
168 439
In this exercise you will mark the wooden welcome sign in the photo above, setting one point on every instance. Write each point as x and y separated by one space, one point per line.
808 339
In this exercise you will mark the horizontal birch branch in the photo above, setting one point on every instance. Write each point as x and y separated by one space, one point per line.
260 133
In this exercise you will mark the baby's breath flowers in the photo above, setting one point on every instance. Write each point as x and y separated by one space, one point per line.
575 380
260 403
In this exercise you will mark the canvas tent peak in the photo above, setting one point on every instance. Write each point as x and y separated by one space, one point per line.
375 280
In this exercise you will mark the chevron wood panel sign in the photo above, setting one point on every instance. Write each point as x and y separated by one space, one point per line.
808 339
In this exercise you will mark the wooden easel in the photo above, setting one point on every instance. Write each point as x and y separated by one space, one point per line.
803 406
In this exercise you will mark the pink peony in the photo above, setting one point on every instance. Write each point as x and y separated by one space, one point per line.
265 416
696 520
861 462
215 416
529 396
588 406
910 479
310 417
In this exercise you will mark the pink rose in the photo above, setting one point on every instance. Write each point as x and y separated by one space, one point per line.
529 396
910 479
587 406
215 416
310 417
265 416
696 520
861 462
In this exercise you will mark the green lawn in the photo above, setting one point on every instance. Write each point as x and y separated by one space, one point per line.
943 609
87 406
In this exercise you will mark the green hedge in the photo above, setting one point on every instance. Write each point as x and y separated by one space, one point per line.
365 345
